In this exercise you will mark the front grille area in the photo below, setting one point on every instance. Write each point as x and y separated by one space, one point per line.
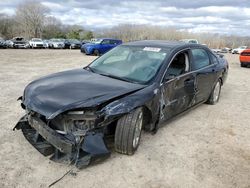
74 123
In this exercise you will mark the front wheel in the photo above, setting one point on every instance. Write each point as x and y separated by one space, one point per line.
128 132
215 95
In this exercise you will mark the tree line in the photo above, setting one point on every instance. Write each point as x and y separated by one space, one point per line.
130 32
32 19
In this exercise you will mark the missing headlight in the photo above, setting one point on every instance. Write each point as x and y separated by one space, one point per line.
84 124
76 112
75 121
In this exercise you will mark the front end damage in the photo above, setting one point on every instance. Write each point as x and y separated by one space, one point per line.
72 118
74 137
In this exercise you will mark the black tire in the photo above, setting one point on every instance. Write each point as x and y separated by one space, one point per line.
215 95
242 65
128 132
96 52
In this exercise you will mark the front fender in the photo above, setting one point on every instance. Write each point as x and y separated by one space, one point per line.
148 97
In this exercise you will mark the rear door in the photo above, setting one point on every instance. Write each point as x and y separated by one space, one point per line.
107 44
205 72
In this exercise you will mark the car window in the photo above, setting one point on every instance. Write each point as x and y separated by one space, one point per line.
113 42
179 65
213 58
200 59
106 42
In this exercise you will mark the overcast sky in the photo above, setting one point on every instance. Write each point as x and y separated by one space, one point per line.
217 16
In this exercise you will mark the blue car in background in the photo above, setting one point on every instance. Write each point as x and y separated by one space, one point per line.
99 46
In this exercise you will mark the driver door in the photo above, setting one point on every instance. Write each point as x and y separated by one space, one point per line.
178 87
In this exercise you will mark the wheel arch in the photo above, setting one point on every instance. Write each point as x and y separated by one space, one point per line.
147 118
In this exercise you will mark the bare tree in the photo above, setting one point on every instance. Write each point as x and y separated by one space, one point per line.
52 28
6 26
30 16
129 32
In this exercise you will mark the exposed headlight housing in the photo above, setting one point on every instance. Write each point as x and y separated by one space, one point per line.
75 121
75 112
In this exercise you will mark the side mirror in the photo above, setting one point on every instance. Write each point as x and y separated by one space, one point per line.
221 55
168 77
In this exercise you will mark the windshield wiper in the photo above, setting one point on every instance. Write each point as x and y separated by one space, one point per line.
117 77
90 69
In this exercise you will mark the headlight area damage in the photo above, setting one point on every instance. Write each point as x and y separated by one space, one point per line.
71 137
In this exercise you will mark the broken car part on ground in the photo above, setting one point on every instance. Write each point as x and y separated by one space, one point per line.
135 86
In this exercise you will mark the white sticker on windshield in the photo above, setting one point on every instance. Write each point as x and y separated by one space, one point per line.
151 49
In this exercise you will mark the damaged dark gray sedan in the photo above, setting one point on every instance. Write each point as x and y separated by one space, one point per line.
135 86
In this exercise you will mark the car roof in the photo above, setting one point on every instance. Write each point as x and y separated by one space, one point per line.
107 39
161 44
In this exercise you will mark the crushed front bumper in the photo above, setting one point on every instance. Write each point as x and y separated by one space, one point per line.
63 148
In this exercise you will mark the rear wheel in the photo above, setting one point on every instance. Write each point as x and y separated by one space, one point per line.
128 132
242 65
215 95
96 52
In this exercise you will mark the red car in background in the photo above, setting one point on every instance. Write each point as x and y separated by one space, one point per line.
245 58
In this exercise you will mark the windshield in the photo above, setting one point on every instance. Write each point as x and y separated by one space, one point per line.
193 42
19 39
130 63
37 40
74 40
56 40
96 41
243 47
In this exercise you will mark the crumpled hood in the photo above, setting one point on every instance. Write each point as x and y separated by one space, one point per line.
79 88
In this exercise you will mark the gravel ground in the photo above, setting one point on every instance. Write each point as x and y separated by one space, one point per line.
207 147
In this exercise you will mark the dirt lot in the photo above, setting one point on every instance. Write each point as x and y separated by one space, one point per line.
207 147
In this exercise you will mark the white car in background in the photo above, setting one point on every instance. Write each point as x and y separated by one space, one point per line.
192 41
56 43
239 50
216 50
36 43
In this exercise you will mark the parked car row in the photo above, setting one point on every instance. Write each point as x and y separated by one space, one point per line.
20 42
239 50
230 50
93 47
